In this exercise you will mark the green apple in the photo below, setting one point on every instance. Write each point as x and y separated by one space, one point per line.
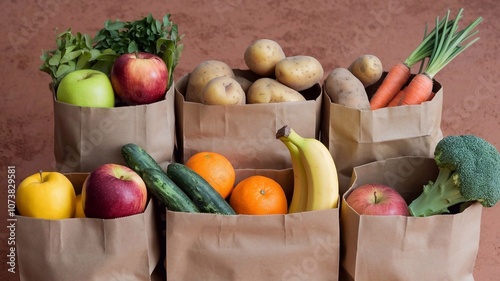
86 87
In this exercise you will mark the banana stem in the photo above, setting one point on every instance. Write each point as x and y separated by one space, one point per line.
283 132
287 133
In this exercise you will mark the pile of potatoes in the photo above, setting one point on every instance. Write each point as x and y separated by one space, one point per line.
347 86
279 78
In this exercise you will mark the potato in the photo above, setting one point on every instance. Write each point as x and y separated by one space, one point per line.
268 90
223 91
345 89
367 68
262 56
202 74
244 83
299 72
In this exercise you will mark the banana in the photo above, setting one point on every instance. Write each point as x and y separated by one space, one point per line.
320 169
299 195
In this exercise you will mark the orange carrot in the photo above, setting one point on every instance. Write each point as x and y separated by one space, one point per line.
397 99
440 46
447 47
418 91
397 76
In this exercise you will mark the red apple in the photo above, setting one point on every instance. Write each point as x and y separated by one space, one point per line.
113 191
139 78
377 199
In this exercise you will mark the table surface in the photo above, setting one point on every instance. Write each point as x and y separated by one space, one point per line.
335 32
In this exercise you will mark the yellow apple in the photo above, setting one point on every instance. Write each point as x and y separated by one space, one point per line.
79 207
46 195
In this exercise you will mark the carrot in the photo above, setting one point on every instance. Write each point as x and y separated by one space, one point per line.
446 47
396 100
399 74
418 91
395 79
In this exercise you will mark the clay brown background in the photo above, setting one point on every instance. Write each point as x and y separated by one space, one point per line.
333 31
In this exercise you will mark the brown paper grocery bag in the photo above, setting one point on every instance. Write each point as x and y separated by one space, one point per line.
299 246
86 137
245 134
89 249
381 248
356 137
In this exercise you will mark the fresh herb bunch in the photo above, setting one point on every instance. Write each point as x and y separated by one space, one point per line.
81 51
73 52
146 35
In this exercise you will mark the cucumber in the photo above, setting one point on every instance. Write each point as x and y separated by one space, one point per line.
138 159
203 195
167 192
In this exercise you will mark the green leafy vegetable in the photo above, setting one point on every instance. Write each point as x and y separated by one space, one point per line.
81 51
73 52
146 35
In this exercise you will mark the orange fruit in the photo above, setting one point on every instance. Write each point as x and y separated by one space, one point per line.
216 169
258 195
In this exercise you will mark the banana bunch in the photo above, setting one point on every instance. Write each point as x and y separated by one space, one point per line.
316 185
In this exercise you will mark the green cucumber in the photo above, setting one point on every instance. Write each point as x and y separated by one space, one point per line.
138 159
167 192
201 193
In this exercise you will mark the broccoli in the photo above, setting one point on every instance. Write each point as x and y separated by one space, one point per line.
469 171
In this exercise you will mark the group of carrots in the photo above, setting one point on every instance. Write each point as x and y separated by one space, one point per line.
437 49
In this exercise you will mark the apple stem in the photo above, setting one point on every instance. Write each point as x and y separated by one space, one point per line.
41 175
375 195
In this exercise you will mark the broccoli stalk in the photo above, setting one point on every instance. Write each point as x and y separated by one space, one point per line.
439 195
469 171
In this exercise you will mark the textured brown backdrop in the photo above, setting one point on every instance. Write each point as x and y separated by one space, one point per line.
334 31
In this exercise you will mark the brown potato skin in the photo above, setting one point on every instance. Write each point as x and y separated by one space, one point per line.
262 55
223 91
367 68
268 90
202 74
345 89
299 72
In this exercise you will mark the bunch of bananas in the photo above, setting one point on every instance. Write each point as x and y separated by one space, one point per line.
316 185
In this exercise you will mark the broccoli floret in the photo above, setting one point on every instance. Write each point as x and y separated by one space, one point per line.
469 171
